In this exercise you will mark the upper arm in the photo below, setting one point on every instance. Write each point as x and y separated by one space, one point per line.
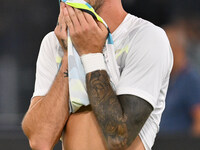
147 66
136 110
46 68
148 63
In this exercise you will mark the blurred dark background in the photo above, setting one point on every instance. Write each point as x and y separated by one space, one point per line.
23 24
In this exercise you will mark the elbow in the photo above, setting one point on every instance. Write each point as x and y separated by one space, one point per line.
25 127
36 142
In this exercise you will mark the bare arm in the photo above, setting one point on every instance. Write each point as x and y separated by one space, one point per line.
47 115
120 118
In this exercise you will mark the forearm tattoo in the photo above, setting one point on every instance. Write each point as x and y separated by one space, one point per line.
64 44
107 108
66 73
120 127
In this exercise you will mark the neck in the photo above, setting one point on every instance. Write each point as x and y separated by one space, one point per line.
112 13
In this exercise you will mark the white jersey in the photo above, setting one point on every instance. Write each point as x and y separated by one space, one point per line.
145 58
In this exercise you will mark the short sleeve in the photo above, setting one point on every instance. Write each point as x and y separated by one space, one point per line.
147 65
46 67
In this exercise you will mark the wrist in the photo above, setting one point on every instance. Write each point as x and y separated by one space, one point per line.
93 62
65 57
64 63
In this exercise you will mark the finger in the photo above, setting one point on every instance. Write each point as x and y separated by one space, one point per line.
102 27
73 17
81 17
91 22
89 18
68 20
61 30
61 17
62 6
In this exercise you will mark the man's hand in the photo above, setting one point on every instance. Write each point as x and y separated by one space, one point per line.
61 29
88 35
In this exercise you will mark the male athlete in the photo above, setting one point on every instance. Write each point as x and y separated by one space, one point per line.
125 119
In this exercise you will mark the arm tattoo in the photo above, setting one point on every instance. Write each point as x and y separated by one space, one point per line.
66 73
120 118
64 44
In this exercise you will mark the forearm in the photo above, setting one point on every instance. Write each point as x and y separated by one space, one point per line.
107 110
44 121
120 117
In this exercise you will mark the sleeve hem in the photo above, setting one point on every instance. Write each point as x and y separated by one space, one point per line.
137 92
40 92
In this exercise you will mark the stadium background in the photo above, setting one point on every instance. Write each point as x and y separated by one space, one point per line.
23 24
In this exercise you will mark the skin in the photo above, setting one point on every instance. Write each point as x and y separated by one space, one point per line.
119 117
40 123
96 4
115 121
42 126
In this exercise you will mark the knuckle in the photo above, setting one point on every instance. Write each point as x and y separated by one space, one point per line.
93 27
85 29
67 18
68 22
77 32
79 12
73 15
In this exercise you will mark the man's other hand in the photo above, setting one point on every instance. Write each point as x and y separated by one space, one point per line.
88 35
61 28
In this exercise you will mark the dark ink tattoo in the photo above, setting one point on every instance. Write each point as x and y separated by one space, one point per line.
64 44
66 73
60 28
120 118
